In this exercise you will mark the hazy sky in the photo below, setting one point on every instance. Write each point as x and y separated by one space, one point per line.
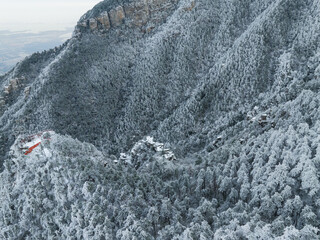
42 15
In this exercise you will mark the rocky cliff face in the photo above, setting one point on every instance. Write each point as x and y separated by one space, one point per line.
143 15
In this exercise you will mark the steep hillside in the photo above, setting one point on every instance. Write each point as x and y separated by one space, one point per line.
170 69
232 87
140 68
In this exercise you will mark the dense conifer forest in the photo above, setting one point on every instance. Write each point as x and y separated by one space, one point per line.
167 119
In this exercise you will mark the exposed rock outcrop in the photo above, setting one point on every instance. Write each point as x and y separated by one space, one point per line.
117 16
13 85
138 13
134 15
104 20
93 24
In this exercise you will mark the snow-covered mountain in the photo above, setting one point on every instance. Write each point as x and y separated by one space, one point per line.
231 89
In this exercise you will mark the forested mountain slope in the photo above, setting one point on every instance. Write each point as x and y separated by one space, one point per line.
232 87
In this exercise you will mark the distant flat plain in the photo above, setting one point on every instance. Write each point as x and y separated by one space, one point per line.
15 46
